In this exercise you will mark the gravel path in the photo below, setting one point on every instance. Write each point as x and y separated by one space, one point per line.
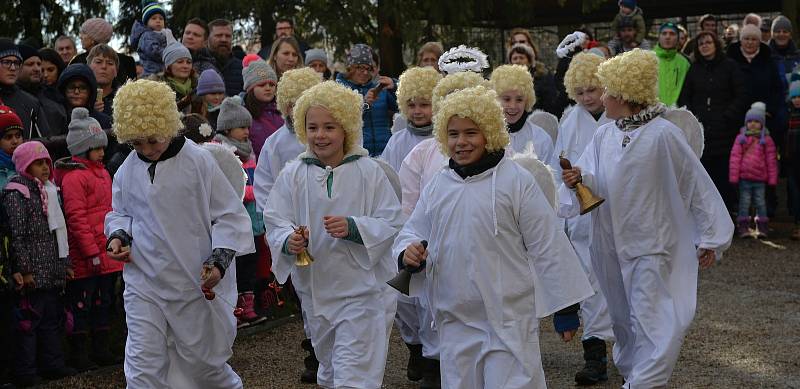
745 335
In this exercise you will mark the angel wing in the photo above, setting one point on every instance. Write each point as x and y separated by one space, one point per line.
230 165
691 127
546 121
394 179
540 171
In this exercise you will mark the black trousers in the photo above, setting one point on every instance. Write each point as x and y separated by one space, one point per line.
39 330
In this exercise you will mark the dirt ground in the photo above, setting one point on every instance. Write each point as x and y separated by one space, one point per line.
746 334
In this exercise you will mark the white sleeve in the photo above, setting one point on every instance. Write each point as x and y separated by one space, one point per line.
230 222
279 220
410 181
379 228
264 176
118 218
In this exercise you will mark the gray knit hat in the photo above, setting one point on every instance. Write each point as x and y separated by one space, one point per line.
256 72
84 133
360 54
232 114
316 55
173 52
781 23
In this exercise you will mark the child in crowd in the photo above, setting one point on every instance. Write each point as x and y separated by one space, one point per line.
628 9
753 165
178 223
576 130
86 188
196 128
514 87
317 59
10 138
260 82
484 219
150 36
233 130
280 148
352 215
39 259
209 96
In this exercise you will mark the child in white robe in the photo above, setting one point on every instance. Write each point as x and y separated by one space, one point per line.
177 223
496 259
576 129
514 87
662 215
352 215
415 88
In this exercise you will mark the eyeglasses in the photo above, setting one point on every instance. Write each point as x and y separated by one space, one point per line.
77 88
363 68
8 64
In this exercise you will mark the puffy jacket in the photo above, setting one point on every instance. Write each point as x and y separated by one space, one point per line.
150 45
378 117
86 190
672 69
27 107
715 92
265 125
753 161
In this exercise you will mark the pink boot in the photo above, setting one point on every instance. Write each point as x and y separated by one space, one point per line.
743 226
247 303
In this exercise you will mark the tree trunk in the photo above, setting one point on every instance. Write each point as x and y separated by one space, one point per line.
390 42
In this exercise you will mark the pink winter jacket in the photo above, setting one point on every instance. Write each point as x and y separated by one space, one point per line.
753 161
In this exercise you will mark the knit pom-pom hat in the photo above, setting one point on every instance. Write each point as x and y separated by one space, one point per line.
343 103
144 109
416 83
582 73
292 84
232 114
757 112
84 133
632 76
478 104
514 78
454 82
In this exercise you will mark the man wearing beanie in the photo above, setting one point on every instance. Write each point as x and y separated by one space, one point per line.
95 31
26 106
630 16
30 80
784 51
672 65
170 200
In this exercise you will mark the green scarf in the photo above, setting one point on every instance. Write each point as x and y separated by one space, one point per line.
182 88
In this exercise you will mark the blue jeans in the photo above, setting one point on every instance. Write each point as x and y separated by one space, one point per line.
752 191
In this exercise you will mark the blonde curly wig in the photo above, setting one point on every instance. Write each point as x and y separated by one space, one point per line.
632 76
454 82
478 104
292 84
343 103
582 73
507 78
416 83
144 109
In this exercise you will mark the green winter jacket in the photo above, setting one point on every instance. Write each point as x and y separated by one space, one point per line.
672 69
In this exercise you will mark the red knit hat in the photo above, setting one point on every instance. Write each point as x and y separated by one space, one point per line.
9 120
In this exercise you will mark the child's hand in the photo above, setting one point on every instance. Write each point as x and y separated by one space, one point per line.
17 280
566 336
70 273
210 276
296 243
336 226
415 254
118 252
28 281
706 258
571 177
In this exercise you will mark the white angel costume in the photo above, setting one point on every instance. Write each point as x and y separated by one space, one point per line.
531 133
661 206
279 148
344 290
497 262
176 211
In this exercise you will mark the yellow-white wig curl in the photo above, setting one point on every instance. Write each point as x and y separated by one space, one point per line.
514 78
144 109
416 83
478 104
454 82
632 76
343 103
582 73
292 84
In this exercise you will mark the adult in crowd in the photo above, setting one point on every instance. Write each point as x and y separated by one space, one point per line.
285 55
707 22
753 19
179 75
31 81
79 87
683 36
428 55
195 38
544 84
766 30
784 50
672 65
317 59
380 104
34 122
104 62
65 46
626 38
284 28
714 90
731 35
219 42
52 66
97 31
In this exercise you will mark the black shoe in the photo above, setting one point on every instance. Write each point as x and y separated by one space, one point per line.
594 371
431 377
26 381
309 375
58 373
78 354
414 368
101 354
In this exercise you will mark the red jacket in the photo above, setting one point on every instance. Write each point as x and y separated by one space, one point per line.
86 189
753 161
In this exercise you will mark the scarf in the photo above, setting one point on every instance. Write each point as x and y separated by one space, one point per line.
55 219
488 161
749 57
244 149
175 146
515 127
182 88
420 131
5 161
635 121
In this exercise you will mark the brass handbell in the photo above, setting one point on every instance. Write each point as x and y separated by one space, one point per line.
588 200
304 258
402 281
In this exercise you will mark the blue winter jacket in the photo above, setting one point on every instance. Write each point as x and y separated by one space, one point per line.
377 117
150 46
